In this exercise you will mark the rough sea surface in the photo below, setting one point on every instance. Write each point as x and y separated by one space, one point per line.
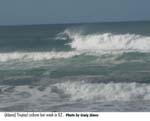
75 67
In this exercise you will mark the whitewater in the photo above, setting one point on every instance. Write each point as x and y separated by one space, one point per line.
75 67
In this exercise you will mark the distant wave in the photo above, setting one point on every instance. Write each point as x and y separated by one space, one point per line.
105 92
108 42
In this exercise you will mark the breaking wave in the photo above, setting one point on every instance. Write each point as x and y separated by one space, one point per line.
105 92
84 91
36 56
91 44
108 42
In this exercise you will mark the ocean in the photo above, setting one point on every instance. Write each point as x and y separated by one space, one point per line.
98 67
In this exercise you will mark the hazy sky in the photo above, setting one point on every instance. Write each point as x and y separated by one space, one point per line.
63 11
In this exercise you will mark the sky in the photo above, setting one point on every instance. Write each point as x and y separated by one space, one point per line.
13 12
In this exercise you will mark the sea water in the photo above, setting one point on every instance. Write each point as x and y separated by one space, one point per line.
75 67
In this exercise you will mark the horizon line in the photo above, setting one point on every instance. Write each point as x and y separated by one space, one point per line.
75 23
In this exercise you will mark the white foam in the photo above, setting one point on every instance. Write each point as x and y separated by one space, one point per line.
108 42
105 92
36 56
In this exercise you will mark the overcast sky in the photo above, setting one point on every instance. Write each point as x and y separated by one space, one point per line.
64 11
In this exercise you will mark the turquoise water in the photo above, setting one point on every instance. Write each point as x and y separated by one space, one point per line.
75 67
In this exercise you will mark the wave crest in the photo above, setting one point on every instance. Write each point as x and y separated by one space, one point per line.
108 42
